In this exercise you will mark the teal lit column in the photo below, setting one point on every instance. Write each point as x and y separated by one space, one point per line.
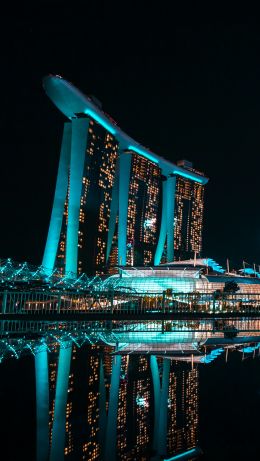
162 436
42 404
124 179
52 243
113 210
167 221
157 394
77 160
163 228
59 422
111 429
171 186
102 409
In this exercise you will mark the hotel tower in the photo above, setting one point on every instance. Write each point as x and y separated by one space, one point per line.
116 202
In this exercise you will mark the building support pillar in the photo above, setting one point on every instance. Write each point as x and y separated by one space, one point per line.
59 422
124 180
53 238
77 159
163 228
156 393
42 404
113 210
167 221
111 429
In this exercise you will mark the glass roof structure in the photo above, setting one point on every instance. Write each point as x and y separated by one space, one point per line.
180 277
150 284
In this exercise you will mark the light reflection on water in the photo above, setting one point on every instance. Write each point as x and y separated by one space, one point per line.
92 404
157 407
134 406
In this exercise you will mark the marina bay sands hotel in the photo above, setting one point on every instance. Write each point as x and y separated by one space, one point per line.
116 203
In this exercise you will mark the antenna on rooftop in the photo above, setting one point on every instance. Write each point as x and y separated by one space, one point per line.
244 267
227 265
226 358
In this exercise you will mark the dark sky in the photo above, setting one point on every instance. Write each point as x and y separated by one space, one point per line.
185 84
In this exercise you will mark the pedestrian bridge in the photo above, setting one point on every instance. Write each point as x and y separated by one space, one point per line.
104 304
132 317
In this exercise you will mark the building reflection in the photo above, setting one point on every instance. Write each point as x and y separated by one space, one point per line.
125 407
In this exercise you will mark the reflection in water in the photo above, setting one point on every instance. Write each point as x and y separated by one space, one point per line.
121 407
93 403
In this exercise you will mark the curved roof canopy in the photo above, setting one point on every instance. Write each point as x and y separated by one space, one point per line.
71 102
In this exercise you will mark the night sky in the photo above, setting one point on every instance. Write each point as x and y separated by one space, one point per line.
185 84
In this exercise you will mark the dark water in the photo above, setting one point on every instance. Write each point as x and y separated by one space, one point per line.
215 407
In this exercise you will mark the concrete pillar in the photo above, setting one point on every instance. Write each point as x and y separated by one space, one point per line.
167 221
163 228
42 404
111 429
59 422
52 243
77 160
124 179
113 210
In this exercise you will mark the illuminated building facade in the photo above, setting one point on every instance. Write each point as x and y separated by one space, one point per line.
97 405
141 407
81 438
157 407
135 409
95 199
157 411
122 413
61 440
90 420
143 215
183 408
116 202
189 205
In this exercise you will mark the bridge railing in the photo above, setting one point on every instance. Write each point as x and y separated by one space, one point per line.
23 302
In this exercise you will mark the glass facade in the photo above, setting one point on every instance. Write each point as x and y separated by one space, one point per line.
188 217
113 257
61 253
69 445
95 202
182 432
82 406
135 413
143 219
